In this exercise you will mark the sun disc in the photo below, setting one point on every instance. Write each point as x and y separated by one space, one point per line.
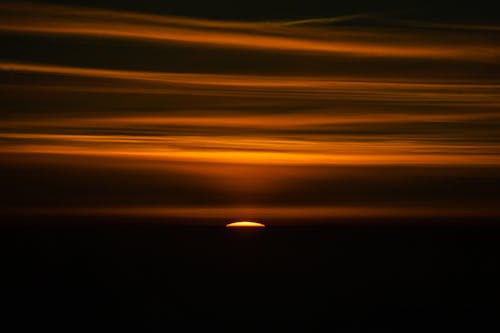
245 224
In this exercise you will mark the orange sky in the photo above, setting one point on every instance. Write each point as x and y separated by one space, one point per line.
201 116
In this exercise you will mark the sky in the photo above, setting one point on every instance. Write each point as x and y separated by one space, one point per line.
189 110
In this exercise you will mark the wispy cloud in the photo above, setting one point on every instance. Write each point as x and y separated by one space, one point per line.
287 37
324 20
278 119
328 136
293 215
300 86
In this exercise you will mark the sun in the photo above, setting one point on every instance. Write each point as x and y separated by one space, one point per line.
245 224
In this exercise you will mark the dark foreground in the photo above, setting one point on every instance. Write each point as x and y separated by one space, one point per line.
153 277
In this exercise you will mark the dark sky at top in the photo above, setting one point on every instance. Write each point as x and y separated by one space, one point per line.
468 11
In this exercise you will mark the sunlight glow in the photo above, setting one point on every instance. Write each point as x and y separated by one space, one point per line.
245 224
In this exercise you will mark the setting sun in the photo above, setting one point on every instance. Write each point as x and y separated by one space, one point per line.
245 224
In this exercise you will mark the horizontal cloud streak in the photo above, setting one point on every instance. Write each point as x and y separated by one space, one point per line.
289 213
59 20
317 137
273 121
319 87
256 150
110 113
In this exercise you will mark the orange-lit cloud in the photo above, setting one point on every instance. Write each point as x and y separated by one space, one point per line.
60 20
299 147
292 214
303 86
248 150
308 118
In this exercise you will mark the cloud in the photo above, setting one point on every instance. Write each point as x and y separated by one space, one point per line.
351 135
324 87
256 36
177 116
291 214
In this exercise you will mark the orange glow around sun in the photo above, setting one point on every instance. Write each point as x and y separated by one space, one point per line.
245 224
